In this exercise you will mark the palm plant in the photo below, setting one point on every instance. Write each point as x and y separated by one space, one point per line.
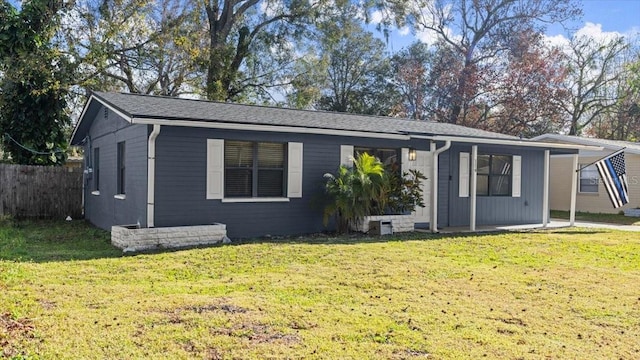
353 191
368 188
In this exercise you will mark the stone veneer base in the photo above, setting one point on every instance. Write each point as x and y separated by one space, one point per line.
399 223
130 238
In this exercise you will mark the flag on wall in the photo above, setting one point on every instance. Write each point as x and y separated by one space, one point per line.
614 177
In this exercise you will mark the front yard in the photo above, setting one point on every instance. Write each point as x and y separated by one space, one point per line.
65 293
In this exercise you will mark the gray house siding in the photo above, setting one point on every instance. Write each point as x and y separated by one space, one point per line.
181 182
104 210
444 183
500 210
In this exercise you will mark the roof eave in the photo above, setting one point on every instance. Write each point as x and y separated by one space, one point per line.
267 128
516 142
77 138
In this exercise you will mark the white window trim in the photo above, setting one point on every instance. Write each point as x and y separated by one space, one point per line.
463 175
215 174
255 200
588 193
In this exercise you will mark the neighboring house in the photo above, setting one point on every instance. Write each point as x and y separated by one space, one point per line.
163 162
591 196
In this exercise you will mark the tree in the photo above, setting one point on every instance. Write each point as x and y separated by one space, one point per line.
479 32
352 55
345 69
233 26
527 96
411 78
139 46
622 120
34 88
593 73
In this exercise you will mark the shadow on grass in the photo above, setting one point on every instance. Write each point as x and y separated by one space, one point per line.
328 238
51 241
55 241
617 219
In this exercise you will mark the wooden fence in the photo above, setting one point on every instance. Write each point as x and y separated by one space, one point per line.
40 191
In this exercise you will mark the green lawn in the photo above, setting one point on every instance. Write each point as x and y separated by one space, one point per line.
64 293
600 218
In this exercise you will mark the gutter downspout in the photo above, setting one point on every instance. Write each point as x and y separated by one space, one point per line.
433 223
151 176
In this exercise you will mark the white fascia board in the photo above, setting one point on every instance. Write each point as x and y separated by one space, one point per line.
508 142
86 107
84 111
268 128
126 117
586 142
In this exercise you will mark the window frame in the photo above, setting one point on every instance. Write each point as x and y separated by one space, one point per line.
596 180
255 172
121 168
491 176
375 150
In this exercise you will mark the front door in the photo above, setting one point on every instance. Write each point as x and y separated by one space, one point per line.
423 164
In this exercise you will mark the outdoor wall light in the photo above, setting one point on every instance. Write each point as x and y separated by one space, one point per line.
412 154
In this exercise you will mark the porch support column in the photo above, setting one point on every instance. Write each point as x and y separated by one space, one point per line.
474 185
433 210
574 190
545 190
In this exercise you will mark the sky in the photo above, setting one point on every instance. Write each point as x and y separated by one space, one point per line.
599 17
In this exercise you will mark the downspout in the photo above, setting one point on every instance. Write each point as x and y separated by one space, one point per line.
433 224
151 176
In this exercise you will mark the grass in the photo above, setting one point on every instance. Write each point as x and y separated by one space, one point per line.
597 217
64 293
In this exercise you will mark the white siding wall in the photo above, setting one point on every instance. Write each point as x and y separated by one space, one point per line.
560 186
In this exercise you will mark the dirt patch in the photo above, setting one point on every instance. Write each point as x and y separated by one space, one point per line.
511 321
227 308
257 333
411 354
12 333
206 354
47 305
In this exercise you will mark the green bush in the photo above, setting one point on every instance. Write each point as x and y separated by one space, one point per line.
367 189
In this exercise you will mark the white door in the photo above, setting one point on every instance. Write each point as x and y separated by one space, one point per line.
423 164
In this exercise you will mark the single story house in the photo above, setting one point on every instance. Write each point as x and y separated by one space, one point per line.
592 195
163 162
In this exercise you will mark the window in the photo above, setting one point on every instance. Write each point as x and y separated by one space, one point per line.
588 179
494 175
388 157
121 168
254 169
96 169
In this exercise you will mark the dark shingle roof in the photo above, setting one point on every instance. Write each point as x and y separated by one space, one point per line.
157 107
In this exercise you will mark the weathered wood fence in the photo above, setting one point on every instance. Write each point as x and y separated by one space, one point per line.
40 191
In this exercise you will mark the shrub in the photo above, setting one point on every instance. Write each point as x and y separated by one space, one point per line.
368 188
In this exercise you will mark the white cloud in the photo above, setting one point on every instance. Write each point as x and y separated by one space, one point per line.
376 17
595 32
557 41
591 31
427 37
404 31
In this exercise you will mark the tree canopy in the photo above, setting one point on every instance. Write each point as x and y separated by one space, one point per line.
480 63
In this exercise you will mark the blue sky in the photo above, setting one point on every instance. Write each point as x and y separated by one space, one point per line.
621 16
599 17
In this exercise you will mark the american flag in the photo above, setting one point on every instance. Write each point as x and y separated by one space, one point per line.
614 177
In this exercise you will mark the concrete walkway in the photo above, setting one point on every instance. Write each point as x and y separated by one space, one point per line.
553 224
